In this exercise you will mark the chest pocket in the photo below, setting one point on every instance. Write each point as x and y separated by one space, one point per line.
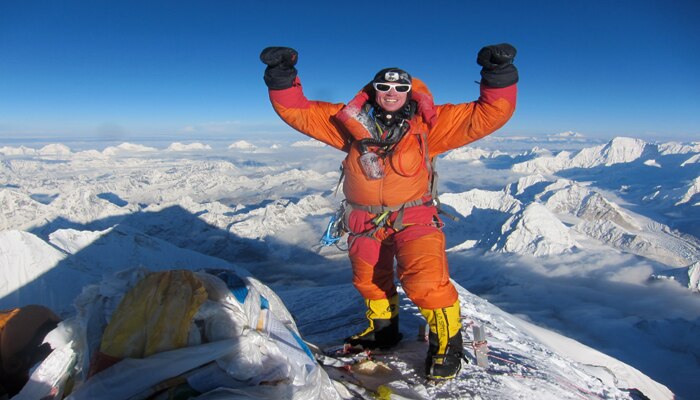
409 158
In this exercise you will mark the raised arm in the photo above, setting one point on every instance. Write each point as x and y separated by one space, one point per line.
312 118
456 125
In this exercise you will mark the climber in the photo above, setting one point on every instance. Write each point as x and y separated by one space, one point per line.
392 131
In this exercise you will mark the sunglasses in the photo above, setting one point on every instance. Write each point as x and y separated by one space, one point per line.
385 87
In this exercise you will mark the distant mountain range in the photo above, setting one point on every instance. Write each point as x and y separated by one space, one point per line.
67 218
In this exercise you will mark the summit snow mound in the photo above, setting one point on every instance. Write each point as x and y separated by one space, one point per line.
524 361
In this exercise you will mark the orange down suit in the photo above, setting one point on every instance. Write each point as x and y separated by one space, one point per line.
418 244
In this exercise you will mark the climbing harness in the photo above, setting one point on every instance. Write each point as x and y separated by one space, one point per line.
381 146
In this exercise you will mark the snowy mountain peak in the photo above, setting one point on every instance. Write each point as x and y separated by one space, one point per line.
523 184
692 160
691 194
624 150
694 277
678 148
471 153
618 150
126 149
242 145
535 231
595 207
569 134
177 146
17 151
465 202
19 210
55 149
308 143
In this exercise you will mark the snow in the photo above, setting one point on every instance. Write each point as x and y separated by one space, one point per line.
692 160
595 250
688 276
679 148
18 210
604 367
524 183
308 143
24 257
55 150
126 149
242 145
471 153
617 151
535 231
694 277
16 151
693 189
568 135
177 146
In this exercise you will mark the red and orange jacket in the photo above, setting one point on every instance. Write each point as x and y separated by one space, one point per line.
434 129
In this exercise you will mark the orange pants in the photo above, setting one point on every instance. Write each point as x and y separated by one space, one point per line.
419 249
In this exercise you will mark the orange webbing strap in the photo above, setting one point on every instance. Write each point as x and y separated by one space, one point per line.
434 191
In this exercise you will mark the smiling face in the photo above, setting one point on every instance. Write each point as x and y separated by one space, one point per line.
392 100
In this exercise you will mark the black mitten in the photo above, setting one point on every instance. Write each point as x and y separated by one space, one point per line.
280 72
497 69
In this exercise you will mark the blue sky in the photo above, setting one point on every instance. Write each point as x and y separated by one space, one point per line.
130 69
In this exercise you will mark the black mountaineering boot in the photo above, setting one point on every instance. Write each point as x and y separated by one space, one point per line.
383 329
444 365
382 334
445 350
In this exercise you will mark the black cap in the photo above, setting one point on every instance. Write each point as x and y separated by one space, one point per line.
392 75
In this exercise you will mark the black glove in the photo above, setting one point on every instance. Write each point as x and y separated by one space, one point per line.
280 71
497 69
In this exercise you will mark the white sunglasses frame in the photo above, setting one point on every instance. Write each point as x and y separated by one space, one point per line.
391 86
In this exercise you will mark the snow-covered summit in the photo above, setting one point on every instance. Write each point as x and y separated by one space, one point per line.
536 231
125 149
619 150
566 136
691 194
472 153
55 149
242 145
679 148
177 146
17 151
308 143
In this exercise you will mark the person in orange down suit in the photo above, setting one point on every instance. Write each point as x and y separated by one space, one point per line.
391 131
